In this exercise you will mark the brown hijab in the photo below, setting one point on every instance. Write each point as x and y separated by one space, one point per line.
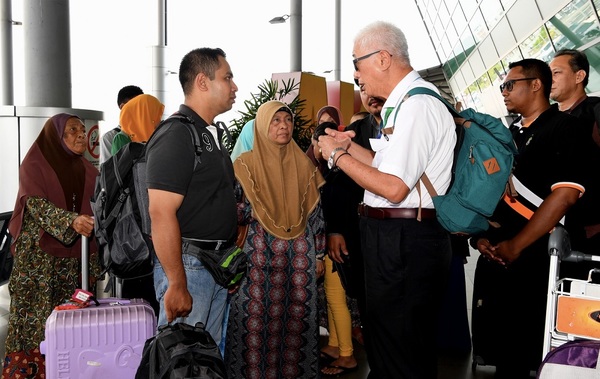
335 114
52 171
280 182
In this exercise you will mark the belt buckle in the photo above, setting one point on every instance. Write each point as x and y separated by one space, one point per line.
362 209
379 213
189 248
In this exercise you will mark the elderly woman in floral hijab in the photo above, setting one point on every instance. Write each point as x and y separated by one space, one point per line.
273 329
51 213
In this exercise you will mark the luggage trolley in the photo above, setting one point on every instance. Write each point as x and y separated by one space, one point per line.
573 306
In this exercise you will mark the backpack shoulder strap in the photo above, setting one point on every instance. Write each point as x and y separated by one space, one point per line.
424 178
189 124
427 91
220 125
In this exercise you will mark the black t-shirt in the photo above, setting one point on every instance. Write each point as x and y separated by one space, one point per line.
548 154
364 128
208 210
587 209
340 195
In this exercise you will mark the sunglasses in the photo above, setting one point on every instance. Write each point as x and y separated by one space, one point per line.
356 60
509 84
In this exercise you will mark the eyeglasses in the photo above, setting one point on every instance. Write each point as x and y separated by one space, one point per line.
356 60
509 84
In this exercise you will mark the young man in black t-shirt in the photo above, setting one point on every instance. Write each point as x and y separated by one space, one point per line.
193 208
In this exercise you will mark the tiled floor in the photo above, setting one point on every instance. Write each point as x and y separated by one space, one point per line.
449 367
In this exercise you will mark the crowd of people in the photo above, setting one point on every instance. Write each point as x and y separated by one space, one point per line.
347 216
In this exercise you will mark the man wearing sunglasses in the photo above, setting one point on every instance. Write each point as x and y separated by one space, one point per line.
406 251
548 179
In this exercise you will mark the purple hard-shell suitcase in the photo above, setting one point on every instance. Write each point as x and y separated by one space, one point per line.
103 341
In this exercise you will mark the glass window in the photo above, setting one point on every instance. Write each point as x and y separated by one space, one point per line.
496 74
478 26
476 95
467 72
468 42
432 12
468 7
427 20
467 99
492 11
538 46
439 28
574 26
459 54
444 54
443 15
597 5
447 69
593 55
484 82
451 4
458 18
513 56
421 4
451 33
446 46
506 4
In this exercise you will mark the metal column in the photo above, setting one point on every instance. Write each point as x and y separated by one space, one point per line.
6 53
295 35
46 28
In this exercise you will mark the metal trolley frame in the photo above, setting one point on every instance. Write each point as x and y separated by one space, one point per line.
559 248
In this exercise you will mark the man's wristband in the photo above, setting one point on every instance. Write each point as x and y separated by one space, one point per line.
339 156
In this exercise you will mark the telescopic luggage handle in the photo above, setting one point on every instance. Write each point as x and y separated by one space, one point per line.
85 263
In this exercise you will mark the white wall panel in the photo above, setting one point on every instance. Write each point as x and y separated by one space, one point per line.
488 53
503 39
524 18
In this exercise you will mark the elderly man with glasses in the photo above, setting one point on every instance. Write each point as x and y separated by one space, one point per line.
548 178
406 251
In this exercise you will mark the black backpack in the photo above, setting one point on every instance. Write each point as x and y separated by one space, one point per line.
181 351
120 208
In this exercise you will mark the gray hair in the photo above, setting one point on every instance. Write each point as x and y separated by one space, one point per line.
385 36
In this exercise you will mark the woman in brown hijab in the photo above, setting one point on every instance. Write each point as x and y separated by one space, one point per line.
273 330
51 212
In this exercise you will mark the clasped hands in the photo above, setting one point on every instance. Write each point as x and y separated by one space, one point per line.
333 139
503 253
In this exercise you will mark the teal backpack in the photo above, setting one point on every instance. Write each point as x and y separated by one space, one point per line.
483 161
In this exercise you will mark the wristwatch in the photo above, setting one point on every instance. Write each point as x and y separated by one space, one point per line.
330 161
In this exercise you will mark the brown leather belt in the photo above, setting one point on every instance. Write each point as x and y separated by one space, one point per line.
383 213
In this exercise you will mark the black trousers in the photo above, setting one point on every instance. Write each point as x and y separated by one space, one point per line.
407 264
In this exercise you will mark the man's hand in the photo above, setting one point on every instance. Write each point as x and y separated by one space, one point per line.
488 250
336 246
334 139
177 301
507 251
